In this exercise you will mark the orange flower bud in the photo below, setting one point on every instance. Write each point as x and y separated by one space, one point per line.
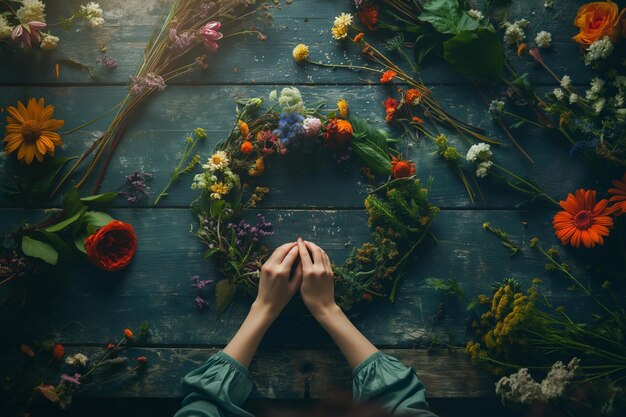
128 333
58 351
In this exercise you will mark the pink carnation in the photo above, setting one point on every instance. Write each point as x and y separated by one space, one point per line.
210 34
311 126
28 33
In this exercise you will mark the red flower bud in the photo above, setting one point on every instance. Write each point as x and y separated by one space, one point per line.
58 351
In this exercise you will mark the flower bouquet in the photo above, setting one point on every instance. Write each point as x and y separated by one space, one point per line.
179 45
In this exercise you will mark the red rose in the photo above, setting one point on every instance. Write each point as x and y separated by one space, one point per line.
112 247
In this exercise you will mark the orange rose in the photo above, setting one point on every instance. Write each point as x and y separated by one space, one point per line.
112 247
597 20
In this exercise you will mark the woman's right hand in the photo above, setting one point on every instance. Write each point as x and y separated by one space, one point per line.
318 282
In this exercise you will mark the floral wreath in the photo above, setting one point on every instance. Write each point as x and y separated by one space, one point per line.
400 215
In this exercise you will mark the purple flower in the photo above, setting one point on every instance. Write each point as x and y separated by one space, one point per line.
201 303
150 81
28 33
180 41
245 230
71 381
210 34
136 187
289 126
108 63
198 283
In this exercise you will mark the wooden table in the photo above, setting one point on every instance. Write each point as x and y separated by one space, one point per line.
322 204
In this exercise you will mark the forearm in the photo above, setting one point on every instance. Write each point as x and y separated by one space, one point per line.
354 346
247 339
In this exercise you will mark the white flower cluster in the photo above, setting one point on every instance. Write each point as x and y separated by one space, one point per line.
514 32
476 14
600 49
566 82
594 94
218 179
31 11
92 13
77 360
49 42
543 39
521 388
559 94
290 100
5 28
480 154
548 4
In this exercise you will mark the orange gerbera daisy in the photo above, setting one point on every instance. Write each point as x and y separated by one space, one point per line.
618 196
402 169
29 131
583 220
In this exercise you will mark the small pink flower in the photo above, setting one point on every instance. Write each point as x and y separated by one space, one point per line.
28 33
210 34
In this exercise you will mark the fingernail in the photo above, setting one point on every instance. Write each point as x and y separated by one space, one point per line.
299 240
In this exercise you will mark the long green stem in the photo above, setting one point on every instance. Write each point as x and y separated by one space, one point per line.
535 188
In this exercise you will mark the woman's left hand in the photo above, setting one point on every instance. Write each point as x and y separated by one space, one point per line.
276 285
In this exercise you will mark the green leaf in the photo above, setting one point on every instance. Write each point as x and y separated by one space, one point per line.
224 292
63 224
446 16
100 198
97 218
40 250
476 54
79 242
72 203
33 184
365 130
64 250
374 157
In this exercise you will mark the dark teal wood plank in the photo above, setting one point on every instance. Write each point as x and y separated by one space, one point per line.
251 61
156 286
281 373
154 142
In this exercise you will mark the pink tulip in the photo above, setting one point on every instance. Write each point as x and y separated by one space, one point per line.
210 34
28 33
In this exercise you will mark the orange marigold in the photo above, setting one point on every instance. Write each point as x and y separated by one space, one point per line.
618 196
583 220
128 333
388 76
391 104
368 15
244 129
259 167
246 148
402 169
413 96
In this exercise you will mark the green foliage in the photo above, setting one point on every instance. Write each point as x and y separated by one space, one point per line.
372 146
31 184
225 290
448 286
477 54
447 16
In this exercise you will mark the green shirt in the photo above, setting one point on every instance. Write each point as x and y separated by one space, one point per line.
220 387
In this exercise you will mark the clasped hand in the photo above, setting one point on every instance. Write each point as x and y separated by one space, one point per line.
297 266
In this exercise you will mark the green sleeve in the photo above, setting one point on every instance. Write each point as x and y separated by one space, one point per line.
216 389
384 379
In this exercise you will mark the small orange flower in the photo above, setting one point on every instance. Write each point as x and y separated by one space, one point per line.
388 76
142 359
368 15
128 333
110 346
259 167
618 196
244 129
413 96
391 104
417 120
597 20
520 49
402 169
583 220
246 148
58 351
344 130
358 37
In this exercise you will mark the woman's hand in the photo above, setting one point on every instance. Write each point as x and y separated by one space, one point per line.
318 282
275 286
